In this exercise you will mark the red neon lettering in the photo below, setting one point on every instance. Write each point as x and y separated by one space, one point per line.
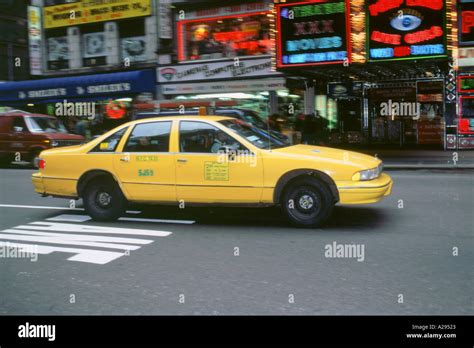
432 4
401 51
234 35
383 6
391 39
300 28
424 35
467 21
327 26
314 27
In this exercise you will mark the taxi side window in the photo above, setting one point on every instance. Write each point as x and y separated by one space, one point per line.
201 137
110 143
149 137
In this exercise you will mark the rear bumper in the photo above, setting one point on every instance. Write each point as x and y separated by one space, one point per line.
51 186
363 192
38 184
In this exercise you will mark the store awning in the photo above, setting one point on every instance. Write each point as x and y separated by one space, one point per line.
88 87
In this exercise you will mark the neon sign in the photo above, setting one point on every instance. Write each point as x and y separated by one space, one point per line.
406 29
466 22
313 32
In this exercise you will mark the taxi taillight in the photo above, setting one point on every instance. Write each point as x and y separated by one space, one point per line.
41 163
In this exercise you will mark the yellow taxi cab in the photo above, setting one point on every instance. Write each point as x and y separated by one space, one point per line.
211 160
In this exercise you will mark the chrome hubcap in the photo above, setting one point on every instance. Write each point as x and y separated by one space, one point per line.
104 199
306 202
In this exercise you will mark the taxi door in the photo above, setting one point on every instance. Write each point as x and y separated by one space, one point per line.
145 165
205 176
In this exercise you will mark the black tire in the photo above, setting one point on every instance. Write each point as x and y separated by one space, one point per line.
103 200
307 202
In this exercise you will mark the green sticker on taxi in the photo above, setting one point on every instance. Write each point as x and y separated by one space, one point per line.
147 158
145 172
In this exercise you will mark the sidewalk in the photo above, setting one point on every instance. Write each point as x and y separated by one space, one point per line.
423 159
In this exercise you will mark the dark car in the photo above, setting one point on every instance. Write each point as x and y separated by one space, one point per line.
25 135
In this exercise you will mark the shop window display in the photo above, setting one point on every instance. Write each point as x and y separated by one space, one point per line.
213 38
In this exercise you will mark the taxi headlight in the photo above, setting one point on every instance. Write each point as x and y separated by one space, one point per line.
371 174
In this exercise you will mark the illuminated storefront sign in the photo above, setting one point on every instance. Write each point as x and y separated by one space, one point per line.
35 40
249 85
91 11
313 32
466 33
406 29
226 32
248 67
466 22
466 84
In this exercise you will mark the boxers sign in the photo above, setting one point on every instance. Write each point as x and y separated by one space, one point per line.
406 29
313 32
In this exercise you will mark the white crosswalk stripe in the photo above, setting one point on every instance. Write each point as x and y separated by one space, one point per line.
61 235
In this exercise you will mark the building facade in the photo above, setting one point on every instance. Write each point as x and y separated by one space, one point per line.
14 62
224 50
100 51
392 73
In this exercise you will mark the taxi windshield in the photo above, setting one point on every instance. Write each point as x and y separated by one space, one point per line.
258 137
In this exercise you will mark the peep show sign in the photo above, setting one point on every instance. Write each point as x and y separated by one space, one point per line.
313 33
406 29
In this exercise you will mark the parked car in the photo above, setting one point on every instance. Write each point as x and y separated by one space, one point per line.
210 160
245 115
26 135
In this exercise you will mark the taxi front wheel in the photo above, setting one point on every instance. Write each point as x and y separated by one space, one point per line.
307 202
103 200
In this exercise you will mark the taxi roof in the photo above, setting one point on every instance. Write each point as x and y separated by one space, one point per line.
188 118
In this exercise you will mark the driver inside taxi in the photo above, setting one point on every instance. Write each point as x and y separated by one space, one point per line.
222 142
144 144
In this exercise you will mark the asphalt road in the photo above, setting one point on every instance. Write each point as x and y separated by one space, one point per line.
407 265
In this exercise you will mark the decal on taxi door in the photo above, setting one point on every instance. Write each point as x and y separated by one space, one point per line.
215 171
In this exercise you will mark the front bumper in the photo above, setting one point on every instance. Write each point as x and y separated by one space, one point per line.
363 192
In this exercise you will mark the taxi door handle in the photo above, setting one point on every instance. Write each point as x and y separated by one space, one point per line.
182 160
125 158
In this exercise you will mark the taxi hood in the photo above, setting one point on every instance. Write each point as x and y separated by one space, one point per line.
311 152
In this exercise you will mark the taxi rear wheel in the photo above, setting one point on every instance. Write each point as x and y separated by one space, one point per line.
103 200
307 202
